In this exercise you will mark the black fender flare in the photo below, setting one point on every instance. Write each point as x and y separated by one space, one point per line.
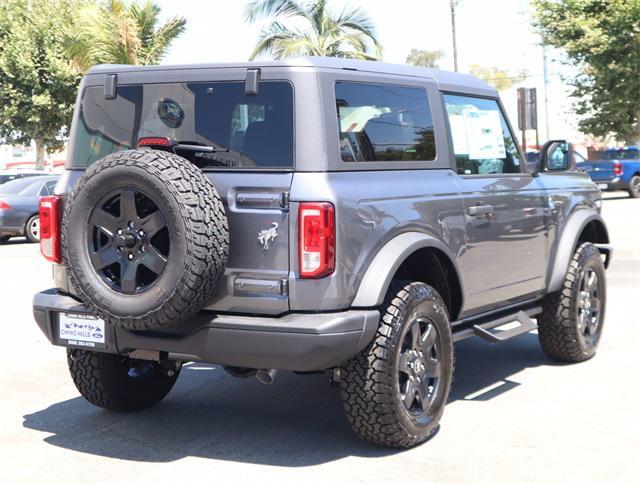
567 243
389 258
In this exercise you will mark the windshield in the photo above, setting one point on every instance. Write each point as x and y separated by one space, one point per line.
255 131
622 154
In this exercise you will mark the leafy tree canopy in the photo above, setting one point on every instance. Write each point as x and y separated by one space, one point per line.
497 77
309 27
424 58
37 83
602 39
118 32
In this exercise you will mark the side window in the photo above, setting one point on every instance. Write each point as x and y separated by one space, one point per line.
384 122
50 186
44 190
482 142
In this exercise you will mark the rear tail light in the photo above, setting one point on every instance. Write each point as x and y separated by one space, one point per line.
617 169
4 205
50 228
317 242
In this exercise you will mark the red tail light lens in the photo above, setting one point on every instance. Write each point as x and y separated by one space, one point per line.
155 141
316 223
50 228
4 205
617 168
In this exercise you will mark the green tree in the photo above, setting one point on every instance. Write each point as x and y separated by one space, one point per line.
118 32
424 58
37 83
351 33
602 39
498 78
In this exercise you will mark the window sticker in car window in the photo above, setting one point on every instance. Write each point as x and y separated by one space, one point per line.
484 134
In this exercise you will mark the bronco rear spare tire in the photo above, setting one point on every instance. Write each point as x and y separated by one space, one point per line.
144 238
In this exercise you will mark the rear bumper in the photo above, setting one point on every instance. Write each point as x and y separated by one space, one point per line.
612 184
297 341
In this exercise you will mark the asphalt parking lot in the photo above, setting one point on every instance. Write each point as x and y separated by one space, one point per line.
513 415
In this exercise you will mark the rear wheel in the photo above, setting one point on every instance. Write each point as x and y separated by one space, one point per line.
4 239
120 383
634 187
32 229
571 323
395 390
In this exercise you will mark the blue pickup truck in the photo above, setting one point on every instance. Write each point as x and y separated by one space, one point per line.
618 170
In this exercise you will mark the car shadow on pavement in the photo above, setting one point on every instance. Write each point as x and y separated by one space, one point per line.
16 241
297 421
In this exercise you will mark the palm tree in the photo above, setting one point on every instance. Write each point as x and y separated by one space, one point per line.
117 32
351 33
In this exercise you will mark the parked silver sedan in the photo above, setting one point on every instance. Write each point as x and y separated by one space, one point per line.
19 206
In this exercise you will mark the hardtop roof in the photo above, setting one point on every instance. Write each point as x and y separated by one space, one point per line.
320 63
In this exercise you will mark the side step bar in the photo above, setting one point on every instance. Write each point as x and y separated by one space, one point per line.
489 329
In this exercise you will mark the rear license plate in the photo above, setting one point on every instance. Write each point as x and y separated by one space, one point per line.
81 330
603 186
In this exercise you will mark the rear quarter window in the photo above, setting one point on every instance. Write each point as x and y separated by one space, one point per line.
384 122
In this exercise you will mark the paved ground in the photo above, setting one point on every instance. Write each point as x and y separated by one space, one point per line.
513 415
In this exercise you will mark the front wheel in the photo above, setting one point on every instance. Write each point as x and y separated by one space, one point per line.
120 383
395 390
570 325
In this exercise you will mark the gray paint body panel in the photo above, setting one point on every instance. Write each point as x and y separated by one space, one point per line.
384 210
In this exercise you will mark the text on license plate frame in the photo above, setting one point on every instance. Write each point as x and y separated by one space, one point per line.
81 330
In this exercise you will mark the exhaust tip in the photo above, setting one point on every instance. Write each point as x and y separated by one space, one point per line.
266 376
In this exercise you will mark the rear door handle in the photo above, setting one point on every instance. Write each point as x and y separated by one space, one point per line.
476 210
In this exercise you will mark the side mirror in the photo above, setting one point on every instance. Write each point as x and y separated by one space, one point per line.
556 155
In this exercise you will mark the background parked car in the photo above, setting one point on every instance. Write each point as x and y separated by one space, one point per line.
619 170
9 175
19 206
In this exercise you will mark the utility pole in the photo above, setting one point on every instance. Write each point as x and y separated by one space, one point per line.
454 4
546 93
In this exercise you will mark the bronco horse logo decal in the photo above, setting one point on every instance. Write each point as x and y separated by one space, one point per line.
266 237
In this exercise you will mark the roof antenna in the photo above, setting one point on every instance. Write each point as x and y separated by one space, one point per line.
252 82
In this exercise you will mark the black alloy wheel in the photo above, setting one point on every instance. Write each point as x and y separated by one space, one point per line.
128 241
419 368
589 305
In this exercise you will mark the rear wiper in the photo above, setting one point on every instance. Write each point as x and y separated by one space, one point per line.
195 147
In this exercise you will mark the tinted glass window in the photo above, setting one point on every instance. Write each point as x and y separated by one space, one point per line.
482 142
622 154
249 131
384 122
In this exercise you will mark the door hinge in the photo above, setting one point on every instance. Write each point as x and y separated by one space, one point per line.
284 200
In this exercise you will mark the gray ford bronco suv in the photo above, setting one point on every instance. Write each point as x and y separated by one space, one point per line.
314 215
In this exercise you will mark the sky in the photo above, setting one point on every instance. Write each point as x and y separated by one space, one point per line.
489 33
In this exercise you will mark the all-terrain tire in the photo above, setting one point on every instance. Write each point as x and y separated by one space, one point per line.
195 221
106 380
370 381
560 331
634 187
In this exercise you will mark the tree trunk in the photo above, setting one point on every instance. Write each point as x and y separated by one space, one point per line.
39 154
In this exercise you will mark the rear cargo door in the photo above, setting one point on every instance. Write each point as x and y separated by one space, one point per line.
243 141
258 262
